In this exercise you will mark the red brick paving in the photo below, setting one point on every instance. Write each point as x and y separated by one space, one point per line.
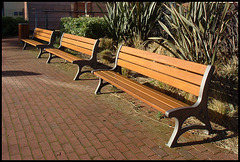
47 115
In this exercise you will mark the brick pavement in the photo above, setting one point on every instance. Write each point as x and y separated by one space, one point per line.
47 115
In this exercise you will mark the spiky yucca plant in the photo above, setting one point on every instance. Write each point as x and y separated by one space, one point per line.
127 20
195 31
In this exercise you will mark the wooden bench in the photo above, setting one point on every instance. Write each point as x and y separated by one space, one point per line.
40 36
185 75
80 44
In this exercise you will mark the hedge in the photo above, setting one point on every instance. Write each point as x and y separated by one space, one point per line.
91 27
10 25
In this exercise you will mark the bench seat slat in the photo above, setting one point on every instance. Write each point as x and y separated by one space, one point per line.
188 87
32 42
152 97
62 54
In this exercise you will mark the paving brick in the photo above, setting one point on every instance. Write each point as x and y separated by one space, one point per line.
85 142
72 156
212 149
155 157
15 157
117 155
133 148
85 157
130 156
25 151
147 150
37 154
211 156
56 146
104 153
121 147
102 137
13 150
109 145
67 147
159 151
196 153
185 154
142 156
80 150
92 151
49 155
61 155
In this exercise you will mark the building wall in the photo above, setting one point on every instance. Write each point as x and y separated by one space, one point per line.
37 18
13 9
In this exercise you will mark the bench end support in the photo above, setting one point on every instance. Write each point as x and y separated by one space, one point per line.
24 46
100 86
182 114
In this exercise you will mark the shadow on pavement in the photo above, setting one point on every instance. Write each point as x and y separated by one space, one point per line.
17 73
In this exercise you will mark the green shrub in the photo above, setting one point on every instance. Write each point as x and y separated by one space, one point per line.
10 25
91 27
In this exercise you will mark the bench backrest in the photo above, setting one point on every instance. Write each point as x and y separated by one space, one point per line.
43 34
78 43
182 74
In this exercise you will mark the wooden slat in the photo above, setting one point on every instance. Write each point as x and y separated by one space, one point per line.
64 55
188 87
78 43
42 38
183 64
75 48
162 68
147 90
32 42
79 38
43 30
43 34
152 97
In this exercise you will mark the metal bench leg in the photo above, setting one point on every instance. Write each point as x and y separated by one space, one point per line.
100 85
49 58
40 53
205 119
79 72
24 46
176 132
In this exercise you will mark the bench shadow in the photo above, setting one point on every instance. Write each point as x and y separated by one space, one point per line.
17 73
220 135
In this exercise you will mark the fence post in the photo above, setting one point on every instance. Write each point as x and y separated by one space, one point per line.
46 19
36 18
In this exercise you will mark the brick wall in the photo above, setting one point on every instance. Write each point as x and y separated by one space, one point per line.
35 12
